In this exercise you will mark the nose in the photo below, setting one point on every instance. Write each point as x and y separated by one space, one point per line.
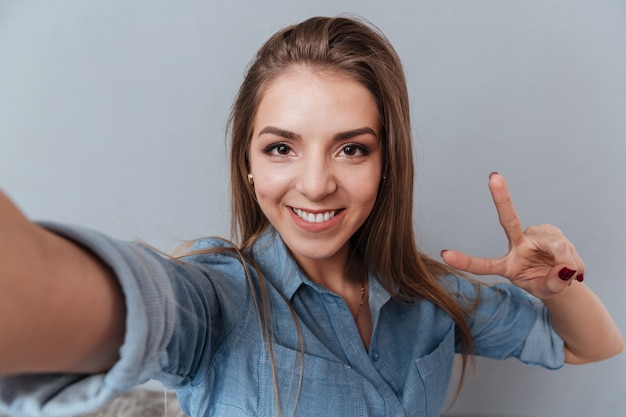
316 178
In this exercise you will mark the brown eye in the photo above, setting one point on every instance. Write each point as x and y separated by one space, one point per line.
354 150
278 149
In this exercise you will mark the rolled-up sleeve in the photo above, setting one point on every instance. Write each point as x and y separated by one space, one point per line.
509 322
173 319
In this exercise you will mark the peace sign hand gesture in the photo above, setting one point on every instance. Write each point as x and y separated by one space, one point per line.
540 259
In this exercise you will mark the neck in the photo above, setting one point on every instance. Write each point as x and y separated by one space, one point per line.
340 273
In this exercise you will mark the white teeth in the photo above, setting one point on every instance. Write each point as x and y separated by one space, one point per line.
314 218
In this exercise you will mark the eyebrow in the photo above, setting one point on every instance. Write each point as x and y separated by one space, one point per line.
339 136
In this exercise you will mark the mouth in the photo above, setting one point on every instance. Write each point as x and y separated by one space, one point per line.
318 217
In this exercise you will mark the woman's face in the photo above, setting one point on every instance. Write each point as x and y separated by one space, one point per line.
315 155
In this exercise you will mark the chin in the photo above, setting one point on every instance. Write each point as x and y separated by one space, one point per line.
316 250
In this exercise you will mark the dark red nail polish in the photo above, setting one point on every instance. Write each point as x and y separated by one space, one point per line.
565 274
492 174
580 277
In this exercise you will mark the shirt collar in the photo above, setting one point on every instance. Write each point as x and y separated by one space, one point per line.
278 266
276 263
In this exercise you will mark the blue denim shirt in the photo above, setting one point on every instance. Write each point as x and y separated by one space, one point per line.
195 327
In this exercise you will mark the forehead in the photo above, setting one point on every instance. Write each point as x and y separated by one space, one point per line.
304 95
299 77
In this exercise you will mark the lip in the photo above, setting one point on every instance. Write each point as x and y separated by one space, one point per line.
315 227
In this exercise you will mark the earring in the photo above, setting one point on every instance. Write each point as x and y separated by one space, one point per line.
251 179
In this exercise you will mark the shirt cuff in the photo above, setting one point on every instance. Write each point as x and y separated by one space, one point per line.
149 326
543 346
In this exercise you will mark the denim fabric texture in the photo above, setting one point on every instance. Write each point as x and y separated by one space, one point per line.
195 327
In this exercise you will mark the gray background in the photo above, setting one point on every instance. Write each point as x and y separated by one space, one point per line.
112 115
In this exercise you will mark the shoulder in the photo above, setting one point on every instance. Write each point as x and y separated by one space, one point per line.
461 288
215 254
464 288
493 305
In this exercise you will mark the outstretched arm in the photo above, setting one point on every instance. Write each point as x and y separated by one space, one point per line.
60 308
544 263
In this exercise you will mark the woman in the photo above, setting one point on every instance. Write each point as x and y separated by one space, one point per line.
325 307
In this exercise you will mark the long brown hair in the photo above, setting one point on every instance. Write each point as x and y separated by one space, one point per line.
360 51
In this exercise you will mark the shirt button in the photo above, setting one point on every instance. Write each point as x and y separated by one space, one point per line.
375 355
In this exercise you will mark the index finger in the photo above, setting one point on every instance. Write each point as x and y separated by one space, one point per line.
509 220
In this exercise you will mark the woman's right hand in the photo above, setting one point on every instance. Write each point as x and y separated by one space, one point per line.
61 310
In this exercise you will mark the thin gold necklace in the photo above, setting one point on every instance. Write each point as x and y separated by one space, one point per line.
358 312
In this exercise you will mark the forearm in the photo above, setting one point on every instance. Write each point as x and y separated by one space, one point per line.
582 321
60 310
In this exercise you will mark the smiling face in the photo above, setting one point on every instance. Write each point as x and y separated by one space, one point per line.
315 155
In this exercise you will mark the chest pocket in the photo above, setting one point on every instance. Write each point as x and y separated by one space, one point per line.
428 379
327 386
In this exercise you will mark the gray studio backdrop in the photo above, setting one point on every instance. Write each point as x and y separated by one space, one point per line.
112 116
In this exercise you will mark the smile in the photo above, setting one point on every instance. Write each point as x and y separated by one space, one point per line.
314 217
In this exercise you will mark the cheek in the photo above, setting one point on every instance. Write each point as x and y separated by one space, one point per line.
368 199
366 186
270 186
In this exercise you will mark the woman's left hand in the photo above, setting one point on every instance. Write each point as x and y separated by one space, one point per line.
540 259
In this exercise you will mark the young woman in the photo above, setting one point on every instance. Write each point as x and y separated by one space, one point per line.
325 306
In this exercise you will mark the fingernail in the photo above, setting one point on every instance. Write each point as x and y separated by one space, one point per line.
565 274
492 174
580 277
442 252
